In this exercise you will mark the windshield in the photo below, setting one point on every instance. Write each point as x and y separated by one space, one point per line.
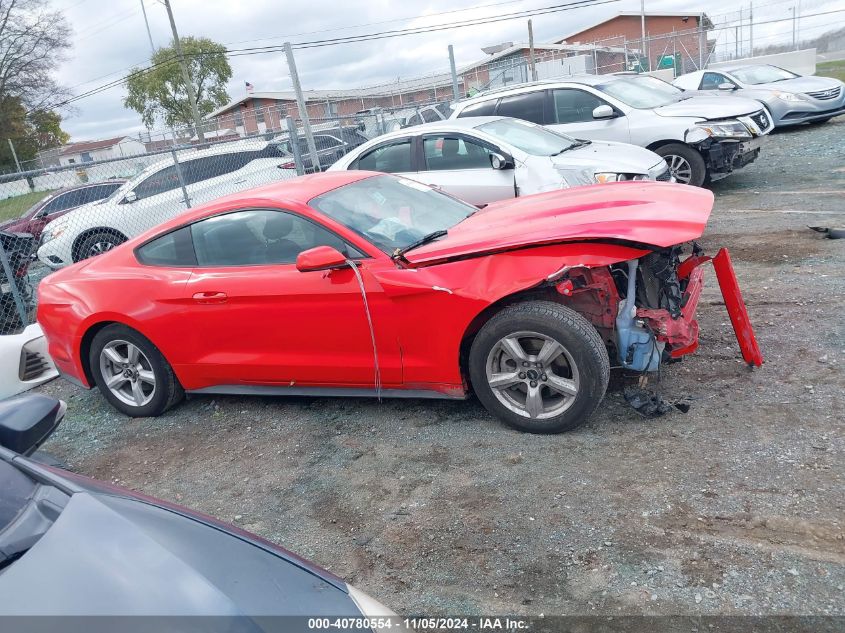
529 137
392 213
642 92
754 75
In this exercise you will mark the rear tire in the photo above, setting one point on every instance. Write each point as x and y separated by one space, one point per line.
685 163
97 244
539 367
132 373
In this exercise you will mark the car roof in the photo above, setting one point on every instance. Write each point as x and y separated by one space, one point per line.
585 80
445 125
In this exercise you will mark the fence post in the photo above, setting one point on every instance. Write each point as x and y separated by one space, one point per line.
16 295
14 154
294 146
181 179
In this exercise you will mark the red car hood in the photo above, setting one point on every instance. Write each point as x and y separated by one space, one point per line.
653 213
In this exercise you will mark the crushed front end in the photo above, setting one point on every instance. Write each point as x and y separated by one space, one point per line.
646 308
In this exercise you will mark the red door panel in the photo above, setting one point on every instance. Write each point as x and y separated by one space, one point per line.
275 325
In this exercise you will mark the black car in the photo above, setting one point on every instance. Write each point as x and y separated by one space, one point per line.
74 546
331 144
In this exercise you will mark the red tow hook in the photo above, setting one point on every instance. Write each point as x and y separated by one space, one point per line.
737 310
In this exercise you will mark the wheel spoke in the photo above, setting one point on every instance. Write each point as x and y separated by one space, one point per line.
132 352
563 386
549 352
116 381
534 402
146 376
513 348
138 393
113 356
504 380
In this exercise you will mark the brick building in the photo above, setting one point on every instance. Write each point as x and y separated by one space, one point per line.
261 112
682 36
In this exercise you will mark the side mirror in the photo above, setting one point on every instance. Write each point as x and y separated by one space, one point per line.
727 86
27 421
603 112
500 161
320 258
130 197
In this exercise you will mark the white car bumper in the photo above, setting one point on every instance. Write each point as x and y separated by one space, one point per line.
24 362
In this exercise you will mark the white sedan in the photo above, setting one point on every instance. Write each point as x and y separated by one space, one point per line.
485 159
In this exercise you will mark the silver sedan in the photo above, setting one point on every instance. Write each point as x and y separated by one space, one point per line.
791 98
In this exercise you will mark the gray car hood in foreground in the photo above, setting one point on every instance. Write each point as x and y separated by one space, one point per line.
110 555
611 157
710 107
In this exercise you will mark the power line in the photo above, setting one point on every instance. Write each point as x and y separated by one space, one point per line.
357 26
351 39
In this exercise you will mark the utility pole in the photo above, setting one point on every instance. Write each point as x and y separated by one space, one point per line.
455 92
532 63
14 154
303 109
147 23
642 27
751 29
186 76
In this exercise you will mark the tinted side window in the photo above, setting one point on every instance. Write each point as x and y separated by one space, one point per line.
573 106
528 106
429 116
172 249
99 192
63 202
200 169
485 108
711 81
394 158
163 180
444 152
255 237
414 120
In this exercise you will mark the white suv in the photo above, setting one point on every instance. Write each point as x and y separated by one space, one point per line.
702 138
156 195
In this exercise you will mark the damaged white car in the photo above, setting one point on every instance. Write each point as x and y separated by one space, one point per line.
486 159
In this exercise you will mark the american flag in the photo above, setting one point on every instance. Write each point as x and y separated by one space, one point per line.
248 87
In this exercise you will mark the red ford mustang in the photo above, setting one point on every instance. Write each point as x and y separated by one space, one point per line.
363 284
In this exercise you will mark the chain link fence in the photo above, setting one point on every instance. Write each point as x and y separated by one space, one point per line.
53 217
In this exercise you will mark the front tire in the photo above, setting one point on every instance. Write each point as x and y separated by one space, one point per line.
97 244
685 163
132 373
539 367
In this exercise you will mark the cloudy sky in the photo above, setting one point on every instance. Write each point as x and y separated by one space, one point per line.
110 38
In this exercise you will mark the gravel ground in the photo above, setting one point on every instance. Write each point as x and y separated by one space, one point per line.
434 507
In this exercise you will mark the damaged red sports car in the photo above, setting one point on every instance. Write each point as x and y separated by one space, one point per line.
363 284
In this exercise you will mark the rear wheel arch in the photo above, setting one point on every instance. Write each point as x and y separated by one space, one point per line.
85 348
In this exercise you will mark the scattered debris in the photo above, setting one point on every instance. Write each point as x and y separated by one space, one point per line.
834 234
650 404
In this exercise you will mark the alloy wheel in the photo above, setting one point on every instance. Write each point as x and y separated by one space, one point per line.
98 248
680 168
533 375
127 373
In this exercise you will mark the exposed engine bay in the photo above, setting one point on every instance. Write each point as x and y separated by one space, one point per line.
645 308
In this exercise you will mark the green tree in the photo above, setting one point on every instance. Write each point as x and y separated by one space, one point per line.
31 132
160 92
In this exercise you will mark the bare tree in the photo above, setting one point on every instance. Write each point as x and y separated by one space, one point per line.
33 41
